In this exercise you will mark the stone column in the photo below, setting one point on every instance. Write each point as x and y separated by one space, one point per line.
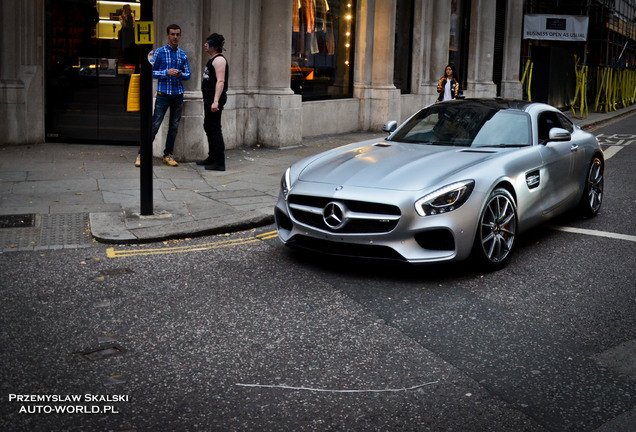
22 72
279 110
191 142
510 84
482 49
239 22
373 85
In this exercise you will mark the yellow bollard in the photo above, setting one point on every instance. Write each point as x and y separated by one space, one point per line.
133 93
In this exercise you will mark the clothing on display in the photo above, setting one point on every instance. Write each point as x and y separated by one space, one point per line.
312 26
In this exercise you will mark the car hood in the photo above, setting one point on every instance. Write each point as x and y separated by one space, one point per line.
393 165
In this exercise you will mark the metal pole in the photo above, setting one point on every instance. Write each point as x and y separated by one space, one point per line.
145 94
589 2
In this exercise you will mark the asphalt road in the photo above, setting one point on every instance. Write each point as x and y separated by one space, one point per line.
238 332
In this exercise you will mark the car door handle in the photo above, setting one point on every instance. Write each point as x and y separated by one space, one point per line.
574 148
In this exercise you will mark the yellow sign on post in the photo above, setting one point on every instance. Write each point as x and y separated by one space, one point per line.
144 31
133 93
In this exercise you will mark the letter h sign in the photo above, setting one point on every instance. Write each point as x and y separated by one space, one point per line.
144 33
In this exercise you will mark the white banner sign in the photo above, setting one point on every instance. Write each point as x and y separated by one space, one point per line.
555 27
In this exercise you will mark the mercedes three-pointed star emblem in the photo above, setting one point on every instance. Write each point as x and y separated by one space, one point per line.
334 215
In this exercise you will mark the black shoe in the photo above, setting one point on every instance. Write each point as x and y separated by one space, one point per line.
207 161
215 167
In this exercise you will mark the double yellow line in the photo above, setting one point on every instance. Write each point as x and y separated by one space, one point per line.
112 253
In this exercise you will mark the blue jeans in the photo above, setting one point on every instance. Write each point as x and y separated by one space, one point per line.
162 103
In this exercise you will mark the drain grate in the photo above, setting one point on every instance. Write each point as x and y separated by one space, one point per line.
49 231
103 352
17 221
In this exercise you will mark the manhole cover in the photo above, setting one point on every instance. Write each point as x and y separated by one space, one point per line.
17 221
103 352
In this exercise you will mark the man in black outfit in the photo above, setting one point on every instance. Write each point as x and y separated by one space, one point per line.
214 89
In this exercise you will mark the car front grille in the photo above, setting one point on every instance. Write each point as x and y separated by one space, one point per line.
361 217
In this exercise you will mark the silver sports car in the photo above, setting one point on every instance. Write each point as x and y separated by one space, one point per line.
457 178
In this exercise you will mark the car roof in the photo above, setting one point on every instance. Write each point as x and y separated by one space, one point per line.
499 103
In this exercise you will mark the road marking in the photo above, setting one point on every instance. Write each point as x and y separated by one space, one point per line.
616 142
616 139
284 387
112 253
593 233
611 151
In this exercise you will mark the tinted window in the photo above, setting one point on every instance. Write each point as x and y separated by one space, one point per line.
566 123
466 124
547 121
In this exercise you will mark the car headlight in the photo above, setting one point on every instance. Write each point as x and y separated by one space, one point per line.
285 183
445 199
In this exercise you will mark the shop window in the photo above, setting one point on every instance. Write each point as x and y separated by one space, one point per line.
500 37
91 56
458 42
403 57
116 21
111 15
322 48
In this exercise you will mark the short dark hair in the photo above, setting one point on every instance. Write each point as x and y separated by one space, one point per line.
172 27
216 40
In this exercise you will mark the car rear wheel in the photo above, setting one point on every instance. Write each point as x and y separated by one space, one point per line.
497 230
593 191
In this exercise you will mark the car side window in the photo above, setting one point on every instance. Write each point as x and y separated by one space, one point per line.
547 121
504 128
566 123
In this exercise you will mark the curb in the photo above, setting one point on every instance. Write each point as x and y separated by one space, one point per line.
114 230
594 125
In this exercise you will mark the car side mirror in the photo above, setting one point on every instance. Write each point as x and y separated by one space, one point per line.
559 134
390 126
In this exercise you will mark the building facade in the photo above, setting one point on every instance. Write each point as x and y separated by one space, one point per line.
297 67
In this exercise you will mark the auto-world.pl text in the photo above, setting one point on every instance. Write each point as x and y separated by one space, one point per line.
68 404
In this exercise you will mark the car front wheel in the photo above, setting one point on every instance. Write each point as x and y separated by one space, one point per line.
497 230
593 191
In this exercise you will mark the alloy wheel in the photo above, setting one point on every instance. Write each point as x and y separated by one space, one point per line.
498 227
595 185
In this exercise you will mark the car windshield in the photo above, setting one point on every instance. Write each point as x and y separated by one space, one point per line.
467 125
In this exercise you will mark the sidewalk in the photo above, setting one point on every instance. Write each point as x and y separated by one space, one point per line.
100 184
64 186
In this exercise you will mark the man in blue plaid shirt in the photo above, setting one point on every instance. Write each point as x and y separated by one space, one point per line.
170 68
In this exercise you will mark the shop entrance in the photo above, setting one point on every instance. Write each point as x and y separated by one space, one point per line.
91 56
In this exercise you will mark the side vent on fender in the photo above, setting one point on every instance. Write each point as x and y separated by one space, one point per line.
533 179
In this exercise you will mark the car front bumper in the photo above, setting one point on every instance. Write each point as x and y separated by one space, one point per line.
413 238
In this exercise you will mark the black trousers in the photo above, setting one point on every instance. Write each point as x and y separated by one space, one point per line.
212 127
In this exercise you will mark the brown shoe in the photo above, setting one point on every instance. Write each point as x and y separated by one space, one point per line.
170 160
138 161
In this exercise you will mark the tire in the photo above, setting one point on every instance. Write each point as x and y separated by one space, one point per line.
496 230
593 189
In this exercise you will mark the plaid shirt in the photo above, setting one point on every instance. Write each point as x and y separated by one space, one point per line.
167 58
